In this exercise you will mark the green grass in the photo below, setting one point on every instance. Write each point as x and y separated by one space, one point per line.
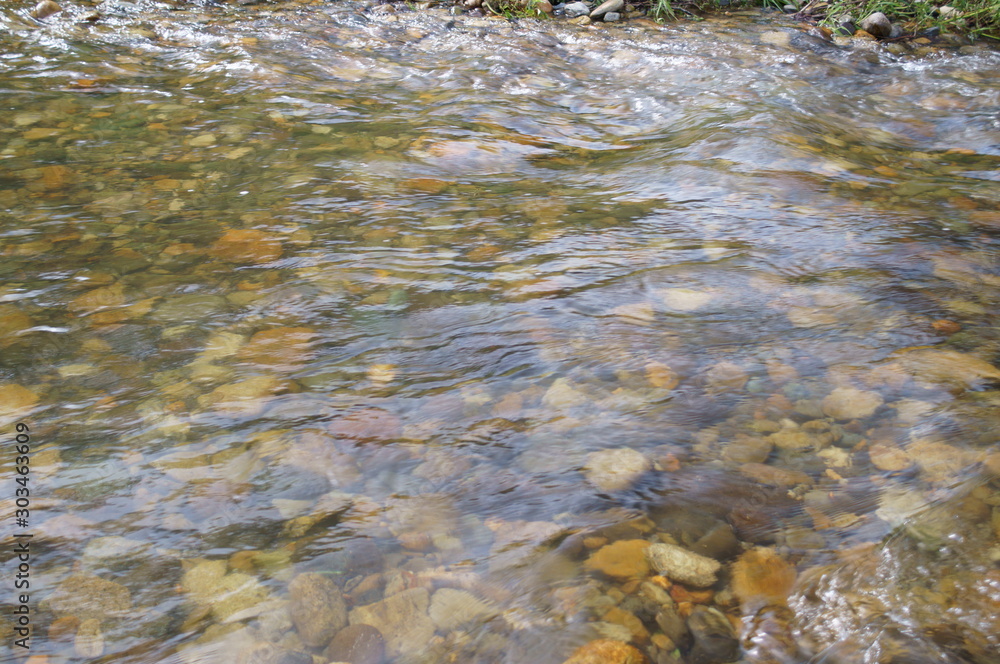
515 8
975 18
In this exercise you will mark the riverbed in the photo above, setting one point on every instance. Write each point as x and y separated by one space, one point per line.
415 338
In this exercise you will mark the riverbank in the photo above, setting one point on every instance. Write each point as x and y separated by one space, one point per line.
889 21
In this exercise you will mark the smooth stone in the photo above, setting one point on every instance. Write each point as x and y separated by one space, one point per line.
401 618
611 17
623 560
451 609
773 475
948 367
246 246
90 596
356 644
715 640
679 564
607 6
760 577
672 623
848 403
877 25
617 469
45 8
317 608
747 449
607 651
575 9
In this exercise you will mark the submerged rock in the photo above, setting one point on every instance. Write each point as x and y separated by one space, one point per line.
356 644
679 564
317 608
617 469
401 619
848 403
451 609
715 640
621 560
86 595
607 651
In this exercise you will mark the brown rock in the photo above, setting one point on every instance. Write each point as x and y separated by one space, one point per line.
366 425
317 608
848 403
660 375
607 651
877 25
246 246
889 457
280 348
774 476
356 644
621 560
726 376
401 619
86 595
15 401
44 9
948 367
747 449
89 641
761 577
97 299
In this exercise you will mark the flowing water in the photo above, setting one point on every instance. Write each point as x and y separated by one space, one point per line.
456 316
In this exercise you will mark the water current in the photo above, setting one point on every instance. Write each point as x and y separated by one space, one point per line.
415 338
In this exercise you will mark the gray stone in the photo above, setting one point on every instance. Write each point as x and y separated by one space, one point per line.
877 25
356 644
401 618
317 608
45 8
611 17
678 564
607 6
575 9
452 608
615 469
714 639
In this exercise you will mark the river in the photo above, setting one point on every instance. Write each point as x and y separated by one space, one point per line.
413 338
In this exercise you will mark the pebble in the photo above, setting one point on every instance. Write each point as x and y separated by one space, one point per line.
89 640
356 644
607 651
45 8
761 577
877 25
91 596
317 608
401 619
575 9
246 246
679 564
451 609
606 7
773 475
617 469
622 560
611 17
848 403
714 638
